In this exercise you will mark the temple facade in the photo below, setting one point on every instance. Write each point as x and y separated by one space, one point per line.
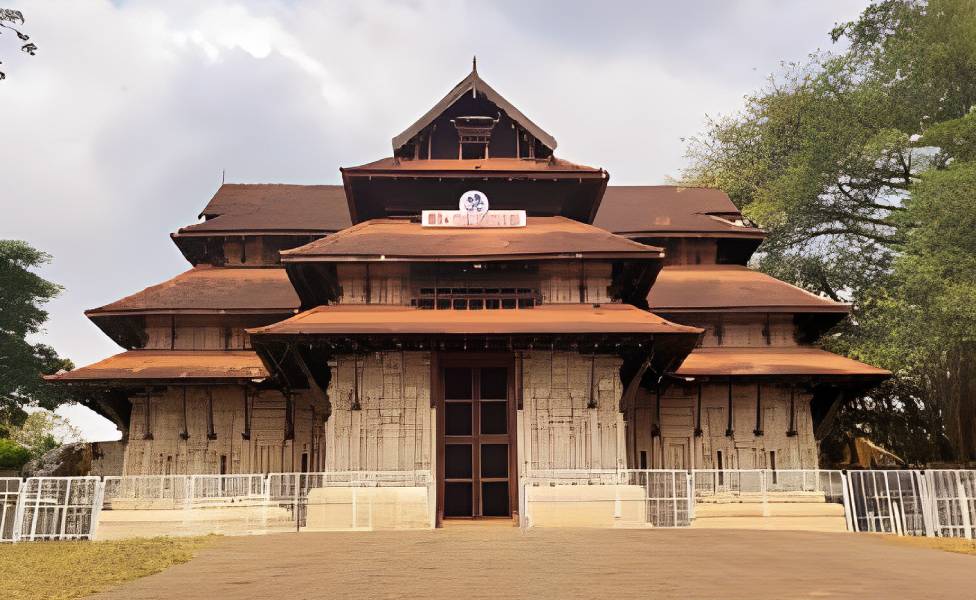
475 308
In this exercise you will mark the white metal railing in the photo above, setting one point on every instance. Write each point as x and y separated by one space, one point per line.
763 482
9 495
57 508
933 503
600 497
953 502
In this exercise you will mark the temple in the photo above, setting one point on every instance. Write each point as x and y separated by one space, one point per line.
475 308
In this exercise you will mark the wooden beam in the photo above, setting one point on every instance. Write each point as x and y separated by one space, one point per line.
633 386
827 423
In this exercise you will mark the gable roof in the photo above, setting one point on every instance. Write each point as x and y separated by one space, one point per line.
541 238
272 208
669 210
473 83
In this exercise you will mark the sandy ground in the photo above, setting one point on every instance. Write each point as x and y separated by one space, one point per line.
466 563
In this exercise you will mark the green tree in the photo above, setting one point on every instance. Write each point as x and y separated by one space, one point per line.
42 431
830 157
22 363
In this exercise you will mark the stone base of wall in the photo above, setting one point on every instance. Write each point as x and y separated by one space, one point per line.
587 506
352 508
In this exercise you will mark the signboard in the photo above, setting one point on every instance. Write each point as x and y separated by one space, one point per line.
473 212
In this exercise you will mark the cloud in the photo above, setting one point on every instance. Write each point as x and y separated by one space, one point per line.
117 132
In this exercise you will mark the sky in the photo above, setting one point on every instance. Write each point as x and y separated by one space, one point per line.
121 127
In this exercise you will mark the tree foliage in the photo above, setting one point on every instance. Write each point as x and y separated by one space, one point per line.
13 455
42 431
848 160
9 20
22 363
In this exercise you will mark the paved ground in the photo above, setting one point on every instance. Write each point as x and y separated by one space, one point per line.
500 562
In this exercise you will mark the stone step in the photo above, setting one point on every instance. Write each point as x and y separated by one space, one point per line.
785 509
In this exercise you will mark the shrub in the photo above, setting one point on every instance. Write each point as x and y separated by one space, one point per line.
12 455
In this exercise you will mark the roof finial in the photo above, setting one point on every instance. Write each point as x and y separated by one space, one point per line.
474 64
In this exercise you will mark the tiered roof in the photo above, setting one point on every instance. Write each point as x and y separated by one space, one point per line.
542 238
560 197
732 288
672 211
138 367
774 362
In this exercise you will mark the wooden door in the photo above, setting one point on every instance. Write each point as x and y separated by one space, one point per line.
476 441
676 454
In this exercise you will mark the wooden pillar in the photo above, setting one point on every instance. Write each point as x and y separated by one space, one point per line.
698 411
791 432
184 433
246 434
211 430
147 434
289 417
729 431
758 431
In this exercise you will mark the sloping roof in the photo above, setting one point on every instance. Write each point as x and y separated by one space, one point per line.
273 208
773 361
372 319
474 82
692 288
670 210
206 289
541 238
168 365
433 167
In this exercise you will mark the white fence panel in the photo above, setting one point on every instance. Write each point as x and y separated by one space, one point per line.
889 502
606 498
953 500
9 495
58 508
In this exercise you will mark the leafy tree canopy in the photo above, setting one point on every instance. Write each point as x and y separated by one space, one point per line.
42 431
22 296
858 164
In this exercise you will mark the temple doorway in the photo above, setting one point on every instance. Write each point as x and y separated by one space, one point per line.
476 438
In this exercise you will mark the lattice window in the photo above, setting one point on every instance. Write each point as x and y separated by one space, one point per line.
455 298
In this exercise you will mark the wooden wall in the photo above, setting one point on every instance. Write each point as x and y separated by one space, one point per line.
399 283
559 430
678 447
391 429
266 452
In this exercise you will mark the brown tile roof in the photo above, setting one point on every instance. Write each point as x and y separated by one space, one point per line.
449 167
169 365
541 238
474 82
773 361
667 210
273 208
206 289
371 319
694 288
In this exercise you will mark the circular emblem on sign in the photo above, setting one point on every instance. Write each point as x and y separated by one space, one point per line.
474 202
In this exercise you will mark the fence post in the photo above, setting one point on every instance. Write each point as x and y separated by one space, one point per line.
96 513
523 504
964 508
846 495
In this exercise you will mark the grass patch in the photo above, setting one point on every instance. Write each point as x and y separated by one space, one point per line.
65 570
958 545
